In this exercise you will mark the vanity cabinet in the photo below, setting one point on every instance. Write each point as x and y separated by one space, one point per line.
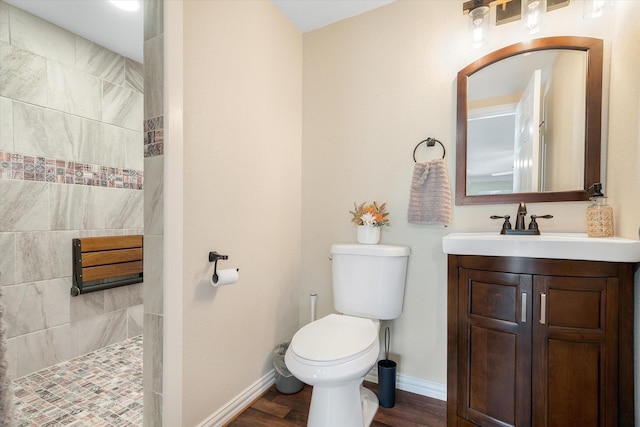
539 342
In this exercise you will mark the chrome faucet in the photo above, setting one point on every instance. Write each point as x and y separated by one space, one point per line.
520 216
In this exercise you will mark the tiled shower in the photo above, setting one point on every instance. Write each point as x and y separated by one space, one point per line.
71 165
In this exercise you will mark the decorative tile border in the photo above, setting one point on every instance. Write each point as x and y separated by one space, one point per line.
23 167
154 137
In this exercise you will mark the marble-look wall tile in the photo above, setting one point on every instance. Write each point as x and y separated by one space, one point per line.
153 197
97 233
75 207
73 91
7 259
136 294
45 348
135 317
153 261
23 75
100 331
51 115
12 358
123 208
134 150
116 299
133 75
45 132
41 37
91 142
112 150
43 255
122 106
86 306
32 307
99 61
153 19
4 22
130 231
152 407
102 144
24 205
152 352
6 126
153 77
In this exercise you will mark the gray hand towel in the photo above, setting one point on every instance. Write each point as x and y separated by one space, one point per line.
430 198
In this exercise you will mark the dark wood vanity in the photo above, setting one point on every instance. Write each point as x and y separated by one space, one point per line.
539 342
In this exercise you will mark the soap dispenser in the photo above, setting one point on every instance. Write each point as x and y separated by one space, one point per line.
599 214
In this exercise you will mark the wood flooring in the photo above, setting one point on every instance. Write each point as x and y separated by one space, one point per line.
274 409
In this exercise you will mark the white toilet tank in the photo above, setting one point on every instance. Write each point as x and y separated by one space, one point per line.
369 280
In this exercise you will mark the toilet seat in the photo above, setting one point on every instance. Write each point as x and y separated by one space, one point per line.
334 339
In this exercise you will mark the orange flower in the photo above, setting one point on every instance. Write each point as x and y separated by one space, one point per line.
370 214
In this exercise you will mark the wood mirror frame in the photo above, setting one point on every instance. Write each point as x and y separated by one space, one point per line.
593 117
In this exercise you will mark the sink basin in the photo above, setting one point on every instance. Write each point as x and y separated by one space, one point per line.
547 245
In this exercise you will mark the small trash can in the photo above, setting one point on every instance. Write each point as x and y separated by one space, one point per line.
286 383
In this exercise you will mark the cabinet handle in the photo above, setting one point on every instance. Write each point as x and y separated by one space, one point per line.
543 308
523 308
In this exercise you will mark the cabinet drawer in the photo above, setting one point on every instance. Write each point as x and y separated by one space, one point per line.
494 301
577 303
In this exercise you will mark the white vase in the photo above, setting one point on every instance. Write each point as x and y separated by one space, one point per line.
368 235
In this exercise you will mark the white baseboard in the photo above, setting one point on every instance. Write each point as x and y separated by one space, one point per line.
414 385
240 402
251 393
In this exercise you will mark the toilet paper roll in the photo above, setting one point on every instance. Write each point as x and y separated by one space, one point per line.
227 276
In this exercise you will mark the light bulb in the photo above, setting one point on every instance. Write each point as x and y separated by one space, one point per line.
479 25
533 13
594 8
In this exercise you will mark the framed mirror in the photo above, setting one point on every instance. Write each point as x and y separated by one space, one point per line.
529 123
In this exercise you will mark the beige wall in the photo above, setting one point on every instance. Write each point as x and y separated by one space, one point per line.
377 84
242 131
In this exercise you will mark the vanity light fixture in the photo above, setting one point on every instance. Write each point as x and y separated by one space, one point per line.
533 12
478 11
479 23
594 8
128 5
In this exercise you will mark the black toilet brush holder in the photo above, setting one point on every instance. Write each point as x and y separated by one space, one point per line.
387 376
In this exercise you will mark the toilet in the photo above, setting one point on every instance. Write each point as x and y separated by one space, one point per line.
335 353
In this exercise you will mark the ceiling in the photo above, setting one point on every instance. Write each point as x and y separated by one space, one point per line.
122 32
310 15
96 20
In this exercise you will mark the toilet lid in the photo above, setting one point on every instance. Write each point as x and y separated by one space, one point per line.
335 338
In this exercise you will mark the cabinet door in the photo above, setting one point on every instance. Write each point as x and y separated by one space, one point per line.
575 362
494 365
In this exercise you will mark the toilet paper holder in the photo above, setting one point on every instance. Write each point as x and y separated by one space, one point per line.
214 257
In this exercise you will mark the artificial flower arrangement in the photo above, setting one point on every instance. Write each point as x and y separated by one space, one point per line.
371 215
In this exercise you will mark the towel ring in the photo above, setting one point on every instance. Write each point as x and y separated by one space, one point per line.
430 143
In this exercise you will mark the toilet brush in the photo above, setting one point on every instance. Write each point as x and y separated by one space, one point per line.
387 375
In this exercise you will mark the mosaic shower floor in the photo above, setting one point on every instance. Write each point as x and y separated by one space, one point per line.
99 389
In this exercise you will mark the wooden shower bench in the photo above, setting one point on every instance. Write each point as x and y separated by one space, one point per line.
106 262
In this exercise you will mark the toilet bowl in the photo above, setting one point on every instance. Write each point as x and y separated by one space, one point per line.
334 354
